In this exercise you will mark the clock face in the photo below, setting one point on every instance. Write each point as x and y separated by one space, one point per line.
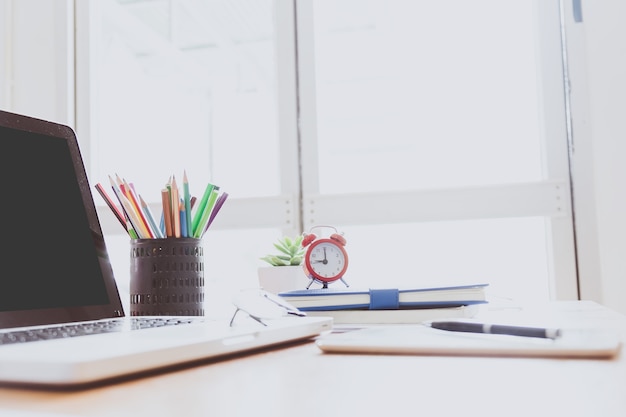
326 260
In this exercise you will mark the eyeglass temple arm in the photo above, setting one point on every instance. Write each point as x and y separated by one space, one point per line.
254 317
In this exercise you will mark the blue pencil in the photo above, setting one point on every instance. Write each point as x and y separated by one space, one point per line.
183 220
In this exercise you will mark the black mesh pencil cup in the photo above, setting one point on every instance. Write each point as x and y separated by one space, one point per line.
166 277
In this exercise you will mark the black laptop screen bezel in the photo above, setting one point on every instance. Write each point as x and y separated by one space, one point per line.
114 308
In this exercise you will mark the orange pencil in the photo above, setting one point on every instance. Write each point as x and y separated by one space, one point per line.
167 211
139 221
132 196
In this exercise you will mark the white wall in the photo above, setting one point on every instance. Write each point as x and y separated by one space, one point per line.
603 218
41 84
5 29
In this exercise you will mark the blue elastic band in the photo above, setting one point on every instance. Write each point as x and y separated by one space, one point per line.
384 299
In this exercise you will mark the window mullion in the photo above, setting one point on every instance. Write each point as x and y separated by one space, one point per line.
287 96
307 97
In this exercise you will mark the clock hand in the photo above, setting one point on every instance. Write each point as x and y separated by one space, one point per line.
322 261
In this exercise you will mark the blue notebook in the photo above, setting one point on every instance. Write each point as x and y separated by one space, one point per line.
385 298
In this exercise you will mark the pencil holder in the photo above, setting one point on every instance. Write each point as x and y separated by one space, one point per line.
166 277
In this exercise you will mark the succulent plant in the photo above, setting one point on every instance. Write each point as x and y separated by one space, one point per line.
291 252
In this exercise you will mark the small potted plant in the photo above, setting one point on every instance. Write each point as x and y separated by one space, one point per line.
284 272
290 252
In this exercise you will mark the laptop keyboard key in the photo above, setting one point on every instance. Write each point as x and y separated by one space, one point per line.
85 329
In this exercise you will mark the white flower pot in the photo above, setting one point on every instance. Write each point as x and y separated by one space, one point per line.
277 279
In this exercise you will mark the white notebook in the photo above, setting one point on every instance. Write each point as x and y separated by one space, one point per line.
423 340
399 316
55 273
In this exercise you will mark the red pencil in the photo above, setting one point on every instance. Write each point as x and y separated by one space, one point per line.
118 213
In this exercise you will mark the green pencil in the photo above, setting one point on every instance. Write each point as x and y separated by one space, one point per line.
187 202
201 206
206 213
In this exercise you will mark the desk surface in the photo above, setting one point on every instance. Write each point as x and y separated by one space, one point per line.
301 380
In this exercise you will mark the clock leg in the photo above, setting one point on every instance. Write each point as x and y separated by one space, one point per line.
310 282
344 282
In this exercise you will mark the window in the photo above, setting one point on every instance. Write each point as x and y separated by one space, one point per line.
447 120
431 133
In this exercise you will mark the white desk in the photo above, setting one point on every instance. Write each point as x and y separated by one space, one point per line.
299 380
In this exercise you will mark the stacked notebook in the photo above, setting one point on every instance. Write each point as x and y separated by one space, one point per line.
389 305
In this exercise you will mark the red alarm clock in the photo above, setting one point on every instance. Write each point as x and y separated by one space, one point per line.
325 259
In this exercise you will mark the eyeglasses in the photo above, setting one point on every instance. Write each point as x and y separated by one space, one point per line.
261 305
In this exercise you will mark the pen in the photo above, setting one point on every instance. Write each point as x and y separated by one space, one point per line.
470 327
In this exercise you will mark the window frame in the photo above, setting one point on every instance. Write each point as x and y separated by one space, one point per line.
292 211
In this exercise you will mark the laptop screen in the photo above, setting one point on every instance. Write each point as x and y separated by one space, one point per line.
54 265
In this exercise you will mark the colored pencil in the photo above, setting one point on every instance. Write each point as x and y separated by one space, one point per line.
187 203
150 218
177 218
167 212
201 206
206 212
183 219
119 195
116 211
218 206
175 208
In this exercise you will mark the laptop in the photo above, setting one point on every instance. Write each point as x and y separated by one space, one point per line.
62 323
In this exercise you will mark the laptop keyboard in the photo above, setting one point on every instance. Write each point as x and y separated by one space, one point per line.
89 328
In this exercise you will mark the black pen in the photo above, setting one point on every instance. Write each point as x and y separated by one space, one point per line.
472 327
